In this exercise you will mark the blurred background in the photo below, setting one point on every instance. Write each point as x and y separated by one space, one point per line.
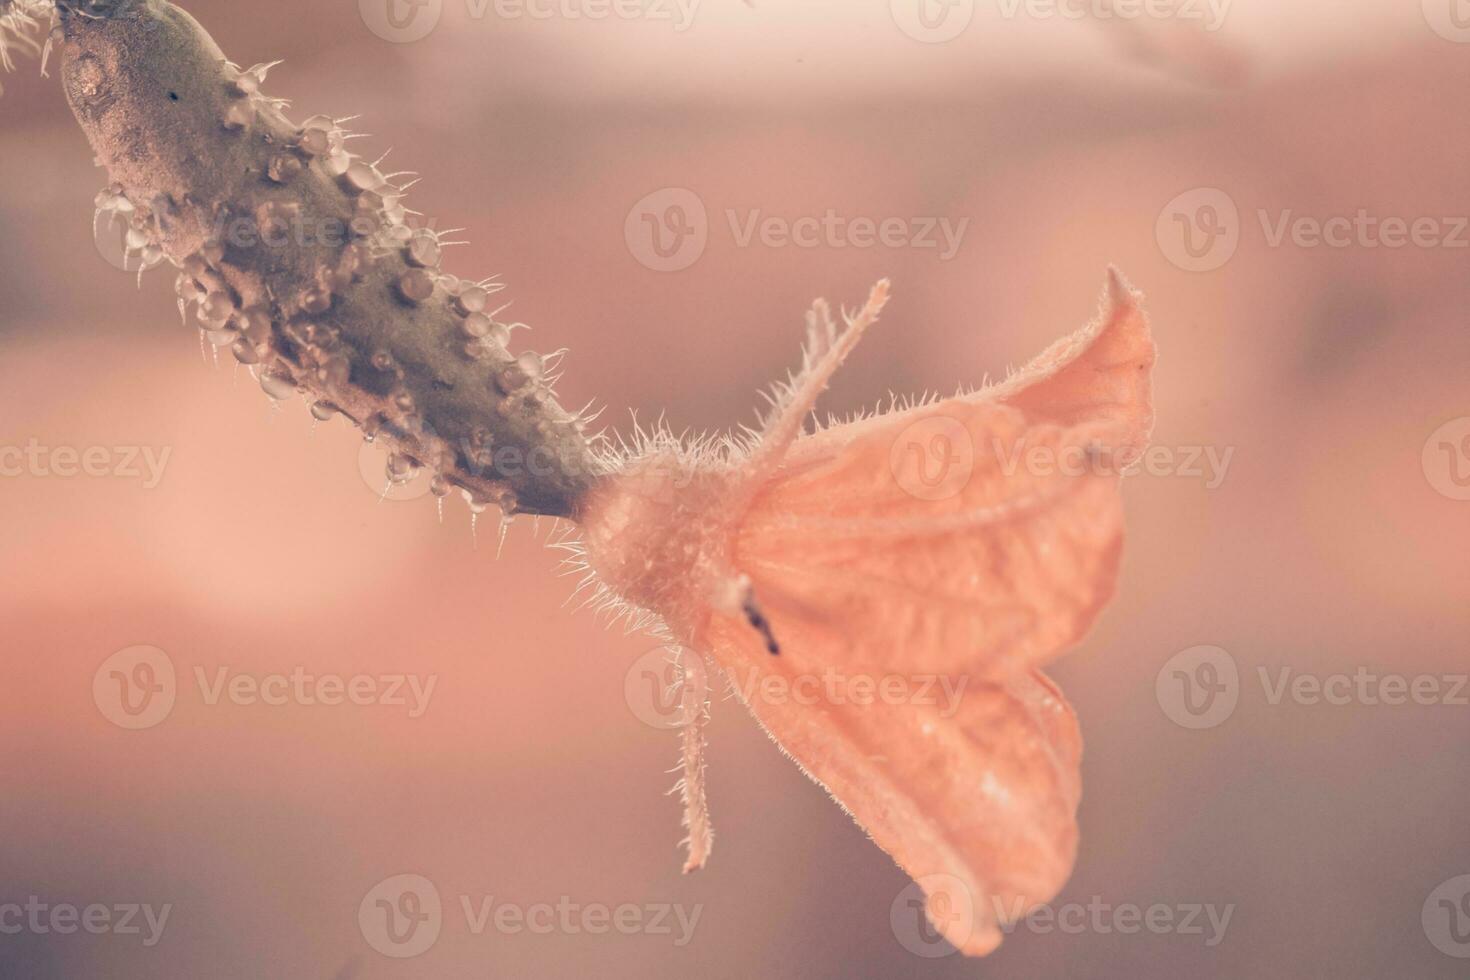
609 166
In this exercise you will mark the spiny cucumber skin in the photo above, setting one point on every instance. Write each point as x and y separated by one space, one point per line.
191 150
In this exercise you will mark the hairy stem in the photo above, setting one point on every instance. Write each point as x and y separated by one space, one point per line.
299 256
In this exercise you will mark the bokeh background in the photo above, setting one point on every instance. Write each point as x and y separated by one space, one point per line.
1338 539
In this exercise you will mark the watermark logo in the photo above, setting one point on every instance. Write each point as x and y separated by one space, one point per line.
136 688
1199 231
932 21
401 21
1446 917
402 916
1199 687
929 903
667 688
1450 19
934 458
1447 459
937 913
668 230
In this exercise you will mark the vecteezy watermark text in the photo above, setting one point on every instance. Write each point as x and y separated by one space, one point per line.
1209 464
937 913
571 918
836 687
837 231
1102 918
668 687
403 917
41 918
37 461
138 687
1200 688
937 456
669 230
1201 230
